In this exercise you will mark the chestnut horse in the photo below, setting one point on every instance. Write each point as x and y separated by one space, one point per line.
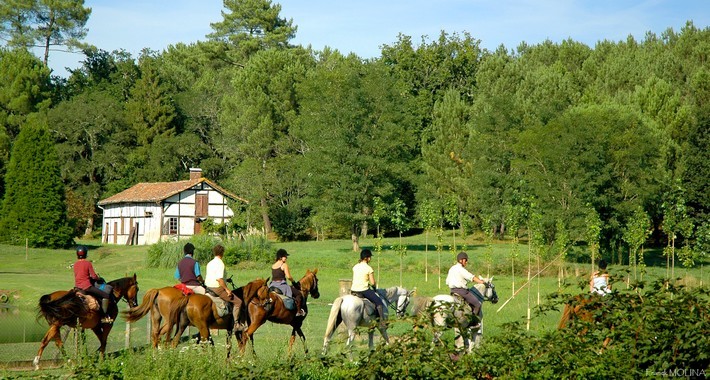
588 309
66 308
268 306
157 302
200 311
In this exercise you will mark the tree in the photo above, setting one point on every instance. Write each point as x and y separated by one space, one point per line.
44 24
34 207
354 125
25 88
249 26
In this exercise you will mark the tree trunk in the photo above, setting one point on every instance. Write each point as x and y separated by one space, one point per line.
265 215
89 226
356 242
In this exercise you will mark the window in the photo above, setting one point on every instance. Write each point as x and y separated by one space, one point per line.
173 226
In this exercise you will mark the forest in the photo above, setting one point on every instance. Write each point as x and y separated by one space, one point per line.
566 145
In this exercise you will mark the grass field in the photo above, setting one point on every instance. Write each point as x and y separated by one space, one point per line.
27 274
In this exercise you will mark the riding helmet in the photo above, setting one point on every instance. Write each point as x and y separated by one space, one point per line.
81 252
365 254
281 253
461 256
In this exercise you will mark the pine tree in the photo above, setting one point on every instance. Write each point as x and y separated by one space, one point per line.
34 207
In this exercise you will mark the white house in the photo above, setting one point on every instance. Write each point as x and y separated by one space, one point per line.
150 212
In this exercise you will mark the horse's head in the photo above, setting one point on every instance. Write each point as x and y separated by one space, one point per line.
397 298
309 283
126 288
489 292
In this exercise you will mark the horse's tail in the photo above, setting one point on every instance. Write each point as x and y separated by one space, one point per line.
177 307
135 313
64 310
334 318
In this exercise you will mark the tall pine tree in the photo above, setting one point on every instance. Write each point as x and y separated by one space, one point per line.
34 207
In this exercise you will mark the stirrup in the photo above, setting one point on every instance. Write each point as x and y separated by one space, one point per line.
301 313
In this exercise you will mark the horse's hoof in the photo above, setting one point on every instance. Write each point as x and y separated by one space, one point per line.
35 362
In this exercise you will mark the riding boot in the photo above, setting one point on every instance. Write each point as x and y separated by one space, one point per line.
382 318
238 324
104 308
299 305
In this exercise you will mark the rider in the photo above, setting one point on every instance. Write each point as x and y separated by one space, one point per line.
279 274
85 279
214 280
457 280
364 284
599 281
188 271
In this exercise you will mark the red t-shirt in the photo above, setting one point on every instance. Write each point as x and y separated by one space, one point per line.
83 273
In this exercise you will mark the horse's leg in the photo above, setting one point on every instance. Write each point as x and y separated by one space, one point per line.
156 330
102 331
229 344
371 339
302 336
52 334
383 331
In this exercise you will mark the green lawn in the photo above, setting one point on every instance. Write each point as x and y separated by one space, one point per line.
27 274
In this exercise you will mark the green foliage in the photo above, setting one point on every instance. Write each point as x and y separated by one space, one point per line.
34 207
254 247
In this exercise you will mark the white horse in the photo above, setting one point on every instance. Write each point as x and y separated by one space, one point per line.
452 311
355 311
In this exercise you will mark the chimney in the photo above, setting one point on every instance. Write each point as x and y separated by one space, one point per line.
195 173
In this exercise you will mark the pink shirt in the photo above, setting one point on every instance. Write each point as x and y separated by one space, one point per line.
83 273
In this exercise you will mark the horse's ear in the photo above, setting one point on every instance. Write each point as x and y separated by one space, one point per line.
490 279
134 277
315 271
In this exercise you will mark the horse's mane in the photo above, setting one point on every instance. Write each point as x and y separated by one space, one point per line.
123 282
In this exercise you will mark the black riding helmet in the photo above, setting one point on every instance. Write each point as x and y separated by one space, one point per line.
365 253
81 252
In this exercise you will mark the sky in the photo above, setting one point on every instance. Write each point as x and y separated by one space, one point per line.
363 26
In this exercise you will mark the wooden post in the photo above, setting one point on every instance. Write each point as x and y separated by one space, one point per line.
128 335
27 248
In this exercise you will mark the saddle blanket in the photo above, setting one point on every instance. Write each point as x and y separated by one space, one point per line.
289 303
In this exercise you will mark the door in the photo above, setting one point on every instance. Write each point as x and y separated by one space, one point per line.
201 204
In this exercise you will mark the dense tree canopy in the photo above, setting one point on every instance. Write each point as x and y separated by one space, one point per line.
531 140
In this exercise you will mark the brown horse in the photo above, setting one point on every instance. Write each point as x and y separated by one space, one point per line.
588 310
200 311
157 302
270 307
66 308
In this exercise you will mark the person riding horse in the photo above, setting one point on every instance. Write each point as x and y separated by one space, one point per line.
214 281
188 271
364 284
86 279
279 274
457 279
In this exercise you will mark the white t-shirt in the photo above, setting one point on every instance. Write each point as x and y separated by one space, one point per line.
361 276
214 271
458 277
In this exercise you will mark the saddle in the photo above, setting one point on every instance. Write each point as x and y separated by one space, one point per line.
224 308
289 302
369 306
184 289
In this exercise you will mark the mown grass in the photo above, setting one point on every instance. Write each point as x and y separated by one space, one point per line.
28 274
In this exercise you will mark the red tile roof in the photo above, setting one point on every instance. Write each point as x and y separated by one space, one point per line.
157 191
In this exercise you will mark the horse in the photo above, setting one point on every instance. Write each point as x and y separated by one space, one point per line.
200 311
269 306
449 311
68 308
585 308
157 302
355 311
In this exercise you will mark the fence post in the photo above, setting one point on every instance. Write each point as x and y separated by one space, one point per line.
128 335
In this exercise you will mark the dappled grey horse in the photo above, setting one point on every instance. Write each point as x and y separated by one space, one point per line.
448 311
354 311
